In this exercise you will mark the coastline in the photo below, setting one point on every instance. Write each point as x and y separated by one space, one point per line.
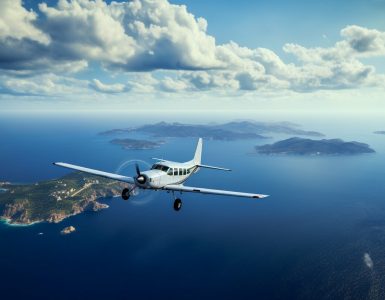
7 222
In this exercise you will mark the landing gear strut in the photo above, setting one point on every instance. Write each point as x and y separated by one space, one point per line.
177 204
126 194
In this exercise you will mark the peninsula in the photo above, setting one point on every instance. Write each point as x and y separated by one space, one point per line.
54 200
300 146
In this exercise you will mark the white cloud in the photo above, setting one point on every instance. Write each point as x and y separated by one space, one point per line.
107 88
43 85
18 23
135 35
146 35
169 84
365 42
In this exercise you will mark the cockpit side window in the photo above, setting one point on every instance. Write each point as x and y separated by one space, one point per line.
160 167
169 171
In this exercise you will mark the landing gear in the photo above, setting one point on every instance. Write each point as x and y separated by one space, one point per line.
177 204
126 194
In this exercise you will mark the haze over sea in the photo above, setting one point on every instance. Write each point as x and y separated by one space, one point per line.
312 238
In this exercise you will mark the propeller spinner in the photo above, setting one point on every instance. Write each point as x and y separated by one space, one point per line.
141 179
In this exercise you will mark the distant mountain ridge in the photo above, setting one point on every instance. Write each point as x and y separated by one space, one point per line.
300 146
235 130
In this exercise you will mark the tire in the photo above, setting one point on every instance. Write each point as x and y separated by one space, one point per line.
177 204
125 194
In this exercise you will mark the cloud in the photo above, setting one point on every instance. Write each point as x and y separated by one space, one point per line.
107 88
132 36
42 85
146 36
169 84
368 261
17 23
365 42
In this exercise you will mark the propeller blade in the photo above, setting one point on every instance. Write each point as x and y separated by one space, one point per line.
137 169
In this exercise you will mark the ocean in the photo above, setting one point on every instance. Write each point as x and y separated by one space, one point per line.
320 234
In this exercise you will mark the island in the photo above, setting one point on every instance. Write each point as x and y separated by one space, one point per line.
236 130
68 230
379 132
301 146
132 144
57 199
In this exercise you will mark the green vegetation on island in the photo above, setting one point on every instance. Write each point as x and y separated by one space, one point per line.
300 146
54 200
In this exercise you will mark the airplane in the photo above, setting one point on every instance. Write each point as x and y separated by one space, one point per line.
167 176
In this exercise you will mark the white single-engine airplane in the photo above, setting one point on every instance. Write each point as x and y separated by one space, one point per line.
165 175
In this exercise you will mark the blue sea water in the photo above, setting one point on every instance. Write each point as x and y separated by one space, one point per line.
306 241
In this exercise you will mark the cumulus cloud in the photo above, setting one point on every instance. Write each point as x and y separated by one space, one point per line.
169 84
107 88
18 23
145 36
368 261
364 41
42 85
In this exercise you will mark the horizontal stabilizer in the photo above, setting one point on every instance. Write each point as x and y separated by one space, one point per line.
211 167
159 159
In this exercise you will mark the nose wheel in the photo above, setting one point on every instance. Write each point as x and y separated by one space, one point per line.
177 204
126 194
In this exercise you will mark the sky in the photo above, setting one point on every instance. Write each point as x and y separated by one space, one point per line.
299 56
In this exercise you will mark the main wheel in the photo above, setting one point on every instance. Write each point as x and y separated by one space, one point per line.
177 204
125 194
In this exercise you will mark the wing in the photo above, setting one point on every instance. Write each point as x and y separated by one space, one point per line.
182 188
96 172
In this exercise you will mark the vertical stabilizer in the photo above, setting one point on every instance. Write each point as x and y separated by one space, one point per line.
198 153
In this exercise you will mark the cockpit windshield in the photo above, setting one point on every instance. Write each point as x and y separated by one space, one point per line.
160 167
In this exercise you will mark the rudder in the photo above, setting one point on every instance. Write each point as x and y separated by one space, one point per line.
198 153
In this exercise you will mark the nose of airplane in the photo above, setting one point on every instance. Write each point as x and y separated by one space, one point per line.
141 179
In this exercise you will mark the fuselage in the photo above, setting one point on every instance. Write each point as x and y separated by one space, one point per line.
167 172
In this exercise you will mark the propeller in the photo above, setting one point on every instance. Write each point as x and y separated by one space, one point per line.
143 196
141 179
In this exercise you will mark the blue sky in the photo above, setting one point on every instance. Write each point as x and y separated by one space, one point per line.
260 55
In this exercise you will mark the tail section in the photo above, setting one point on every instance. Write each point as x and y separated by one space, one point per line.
197 160
198 153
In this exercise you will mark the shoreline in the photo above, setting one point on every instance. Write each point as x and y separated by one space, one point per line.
7 222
